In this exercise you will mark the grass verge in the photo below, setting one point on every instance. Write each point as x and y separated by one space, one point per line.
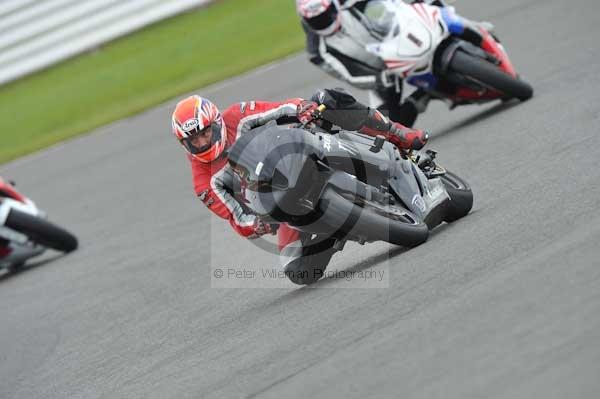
146 68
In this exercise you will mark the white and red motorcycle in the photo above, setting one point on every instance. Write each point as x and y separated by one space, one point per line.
24 230
422 45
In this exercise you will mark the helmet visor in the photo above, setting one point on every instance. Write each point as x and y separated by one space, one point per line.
192 143
324 20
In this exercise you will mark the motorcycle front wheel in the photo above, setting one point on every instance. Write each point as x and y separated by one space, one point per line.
461 197
41 231
489 75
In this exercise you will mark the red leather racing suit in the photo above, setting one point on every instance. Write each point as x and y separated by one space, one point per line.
213 181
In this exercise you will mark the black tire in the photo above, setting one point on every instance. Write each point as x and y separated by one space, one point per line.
41 231
461 197
16 267
489 75
369 222
310 267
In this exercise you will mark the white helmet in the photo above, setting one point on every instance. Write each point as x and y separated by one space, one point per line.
322 16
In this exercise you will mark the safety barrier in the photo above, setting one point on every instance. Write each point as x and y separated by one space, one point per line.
35 34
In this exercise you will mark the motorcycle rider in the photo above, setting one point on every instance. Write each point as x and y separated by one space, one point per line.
206 135
337 32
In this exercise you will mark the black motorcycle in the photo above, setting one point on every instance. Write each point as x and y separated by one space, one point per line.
345 185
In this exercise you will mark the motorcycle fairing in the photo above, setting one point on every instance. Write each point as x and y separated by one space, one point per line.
497 50
455 24
402 175
347 163
286 148
411 52
411 49
7 190
26 206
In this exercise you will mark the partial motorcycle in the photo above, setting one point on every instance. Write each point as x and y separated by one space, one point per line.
419 44
25 232
345 185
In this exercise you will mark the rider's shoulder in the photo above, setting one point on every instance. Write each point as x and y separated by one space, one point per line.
232 109
240 108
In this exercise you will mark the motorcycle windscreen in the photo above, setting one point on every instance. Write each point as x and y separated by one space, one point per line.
272 151
381 16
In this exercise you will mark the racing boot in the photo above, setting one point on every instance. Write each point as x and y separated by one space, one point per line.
401 136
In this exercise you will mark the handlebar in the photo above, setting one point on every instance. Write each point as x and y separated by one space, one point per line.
320 109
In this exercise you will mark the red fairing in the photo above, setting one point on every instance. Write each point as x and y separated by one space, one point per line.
491 46
210 178
7 190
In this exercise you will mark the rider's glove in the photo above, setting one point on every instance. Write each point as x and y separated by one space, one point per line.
407 138
307 111
261 228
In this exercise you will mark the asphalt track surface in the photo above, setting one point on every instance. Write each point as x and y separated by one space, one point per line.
502 304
